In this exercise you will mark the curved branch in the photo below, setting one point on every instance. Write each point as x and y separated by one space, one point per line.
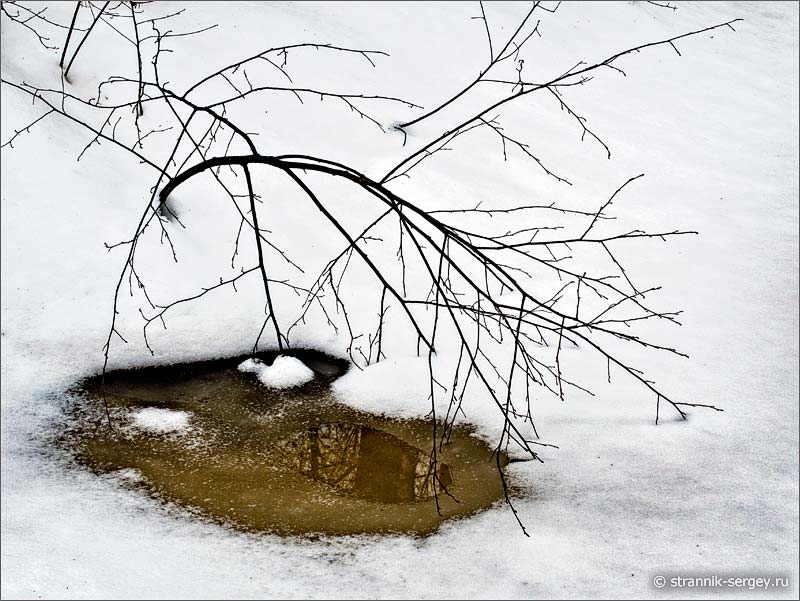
557 80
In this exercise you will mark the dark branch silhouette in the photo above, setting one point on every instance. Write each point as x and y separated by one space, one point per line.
477 284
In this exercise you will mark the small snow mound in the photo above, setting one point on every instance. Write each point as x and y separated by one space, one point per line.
161 421
252 366
285 372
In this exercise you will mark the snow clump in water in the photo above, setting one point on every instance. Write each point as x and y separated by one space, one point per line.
161 421
285 372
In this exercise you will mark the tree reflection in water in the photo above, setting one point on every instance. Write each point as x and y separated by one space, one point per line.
365 462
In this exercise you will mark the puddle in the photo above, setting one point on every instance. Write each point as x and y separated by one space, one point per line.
214 440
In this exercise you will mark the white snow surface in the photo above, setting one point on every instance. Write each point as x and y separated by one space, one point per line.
285 371
620 500
160 420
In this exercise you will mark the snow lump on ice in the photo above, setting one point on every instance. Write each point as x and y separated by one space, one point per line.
161 421
285 372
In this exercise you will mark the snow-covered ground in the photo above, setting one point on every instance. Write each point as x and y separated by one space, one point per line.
621 500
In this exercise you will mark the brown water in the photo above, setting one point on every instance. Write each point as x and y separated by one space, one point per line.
289 462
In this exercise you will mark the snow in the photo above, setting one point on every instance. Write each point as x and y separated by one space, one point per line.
160 421
285 372
252 366
620 500
397 387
